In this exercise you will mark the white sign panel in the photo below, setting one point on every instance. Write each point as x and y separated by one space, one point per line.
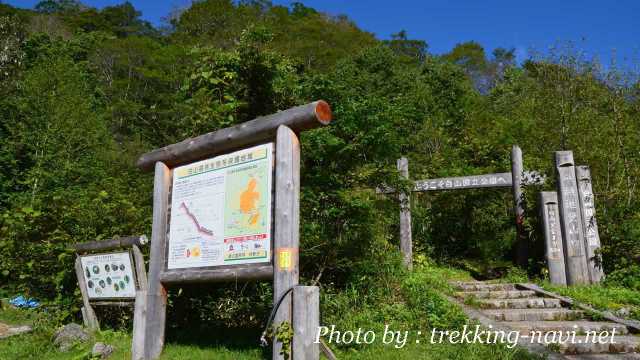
221 210
109 275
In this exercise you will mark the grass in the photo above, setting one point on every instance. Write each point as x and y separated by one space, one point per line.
601 297
405 301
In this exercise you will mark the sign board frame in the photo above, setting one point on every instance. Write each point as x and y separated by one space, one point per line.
89 317
282 128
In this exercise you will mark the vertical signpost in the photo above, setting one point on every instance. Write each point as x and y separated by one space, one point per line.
406 246
226 208
553 237
590 225
571 220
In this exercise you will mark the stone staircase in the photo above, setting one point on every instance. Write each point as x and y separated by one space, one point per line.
532 315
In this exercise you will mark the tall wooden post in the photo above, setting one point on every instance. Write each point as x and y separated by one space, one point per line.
287 225
88 315
157 294
517 169
590 225
571 220
306 320
405 216
553 237
140 309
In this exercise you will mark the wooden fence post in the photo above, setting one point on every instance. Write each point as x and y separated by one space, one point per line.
140 309
88 315
571 220
517 169
306 320
287 225
157 294
405 216
590 225
553 237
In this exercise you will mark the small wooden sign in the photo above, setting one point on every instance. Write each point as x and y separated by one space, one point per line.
109 275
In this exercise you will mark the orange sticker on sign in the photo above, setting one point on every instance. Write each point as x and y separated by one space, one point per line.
285 259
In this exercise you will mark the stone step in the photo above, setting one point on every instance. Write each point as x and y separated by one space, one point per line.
479 286
533 314
530 303
581 327
512 294
584 345
628 356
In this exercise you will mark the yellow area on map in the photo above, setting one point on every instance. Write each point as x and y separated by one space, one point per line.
248 199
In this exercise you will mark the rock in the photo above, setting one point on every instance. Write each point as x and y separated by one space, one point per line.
101 350
623 312
70 335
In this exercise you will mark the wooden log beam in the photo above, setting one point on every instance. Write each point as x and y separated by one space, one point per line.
287 226
298 119
553 237
306 320
157 295
571 220
115 243
406 245
247 272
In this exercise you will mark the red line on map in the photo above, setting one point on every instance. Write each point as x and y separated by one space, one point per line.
201 229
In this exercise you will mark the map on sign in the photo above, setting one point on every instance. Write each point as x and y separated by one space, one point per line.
109 276
221 210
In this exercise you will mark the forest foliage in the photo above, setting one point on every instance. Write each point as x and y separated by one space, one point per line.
85 91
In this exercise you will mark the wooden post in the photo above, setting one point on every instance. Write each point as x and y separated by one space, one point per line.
140 309
590 225
88 315
287 225
571 220
553 237
405 216
306 320
157 295
517 168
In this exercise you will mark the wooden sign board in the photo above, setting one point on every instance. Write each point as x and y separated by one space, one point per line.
226 208
109 276
221 211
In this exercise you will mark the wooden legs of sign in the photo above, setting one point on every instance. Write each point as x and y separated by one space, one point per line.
156 304
306 320
405 216
140 309
517 169
88 315
287 225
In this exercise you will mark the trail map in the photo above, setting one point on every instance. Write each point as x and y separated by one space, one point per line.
221 210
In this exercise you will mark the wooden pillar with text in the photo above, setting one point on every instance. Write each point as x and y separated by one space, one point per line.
226 209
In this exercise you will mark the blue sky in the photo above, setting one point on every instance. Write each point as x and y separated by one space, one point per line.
604 29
